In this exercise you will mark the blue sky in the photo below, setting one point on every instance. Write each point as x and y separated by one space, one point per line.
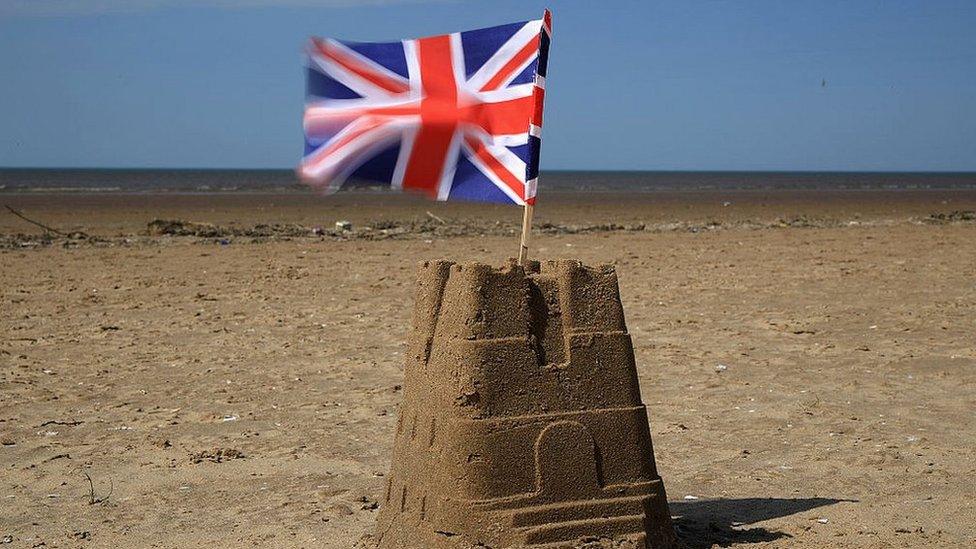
685 85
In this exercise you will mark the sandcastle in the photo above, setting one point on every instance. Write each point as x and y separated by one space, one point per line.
522 423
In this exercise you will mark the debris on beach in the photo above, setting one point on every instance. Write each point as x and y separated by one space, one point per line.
424 228
160 227
955 216
216 455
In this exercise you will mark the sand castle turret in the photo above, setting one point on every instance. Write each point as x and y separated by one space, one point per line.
522 422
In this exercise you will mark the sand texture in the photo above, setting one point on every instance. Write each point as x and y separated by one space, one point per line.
807 361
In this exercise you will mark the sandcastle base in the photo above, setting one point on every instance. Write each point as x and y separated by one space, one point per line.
522 423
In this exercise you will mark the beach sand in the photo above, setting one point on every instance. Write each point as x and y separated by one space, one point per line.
808 360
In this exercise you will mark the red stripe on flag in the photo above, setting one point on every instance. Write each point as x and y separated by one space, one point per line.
495 165
539 95
352 65
438 113
336 146
346 139
501 118
507 72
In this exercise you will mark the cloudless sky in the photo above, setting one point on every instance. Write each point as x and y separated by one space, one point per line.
676 84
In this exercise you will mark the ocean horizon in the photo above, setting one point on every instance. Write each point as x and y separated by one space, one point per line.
196 180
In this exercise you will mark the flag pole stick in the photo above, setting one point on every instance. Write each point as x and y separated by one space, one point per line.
526 229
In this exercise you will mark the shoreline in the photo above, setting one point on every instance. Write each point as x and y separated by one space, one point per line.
109 219
557 191
283 181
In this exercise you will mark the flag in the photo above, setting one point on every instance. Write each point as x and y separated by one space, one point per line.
456 116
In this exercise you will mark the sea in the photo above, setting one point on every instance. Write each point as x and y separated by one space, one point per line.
29 180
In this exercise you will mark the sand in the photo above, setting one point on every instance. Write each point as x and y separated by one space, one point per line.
808 361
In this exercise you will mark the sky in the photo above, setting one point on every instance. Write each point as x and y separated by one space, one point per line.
659 85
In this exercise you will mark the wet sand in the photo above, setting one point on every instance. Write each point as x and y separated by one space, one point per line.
808 360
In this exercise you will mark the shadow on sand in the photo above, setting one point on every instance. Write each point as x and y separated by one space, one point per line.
701 524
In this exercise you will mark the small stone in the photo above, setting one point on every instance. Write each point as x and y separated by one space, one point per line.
340 510
343 226
368 504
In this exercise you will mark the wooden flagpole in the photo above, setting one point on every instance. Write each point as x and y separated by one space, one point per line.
526 229
535 129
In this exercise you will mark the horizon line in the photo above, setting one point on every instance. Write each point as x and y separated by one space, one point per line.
551 170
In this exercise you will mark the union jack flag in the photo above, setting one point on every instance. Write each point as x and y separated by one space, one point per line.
457 116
